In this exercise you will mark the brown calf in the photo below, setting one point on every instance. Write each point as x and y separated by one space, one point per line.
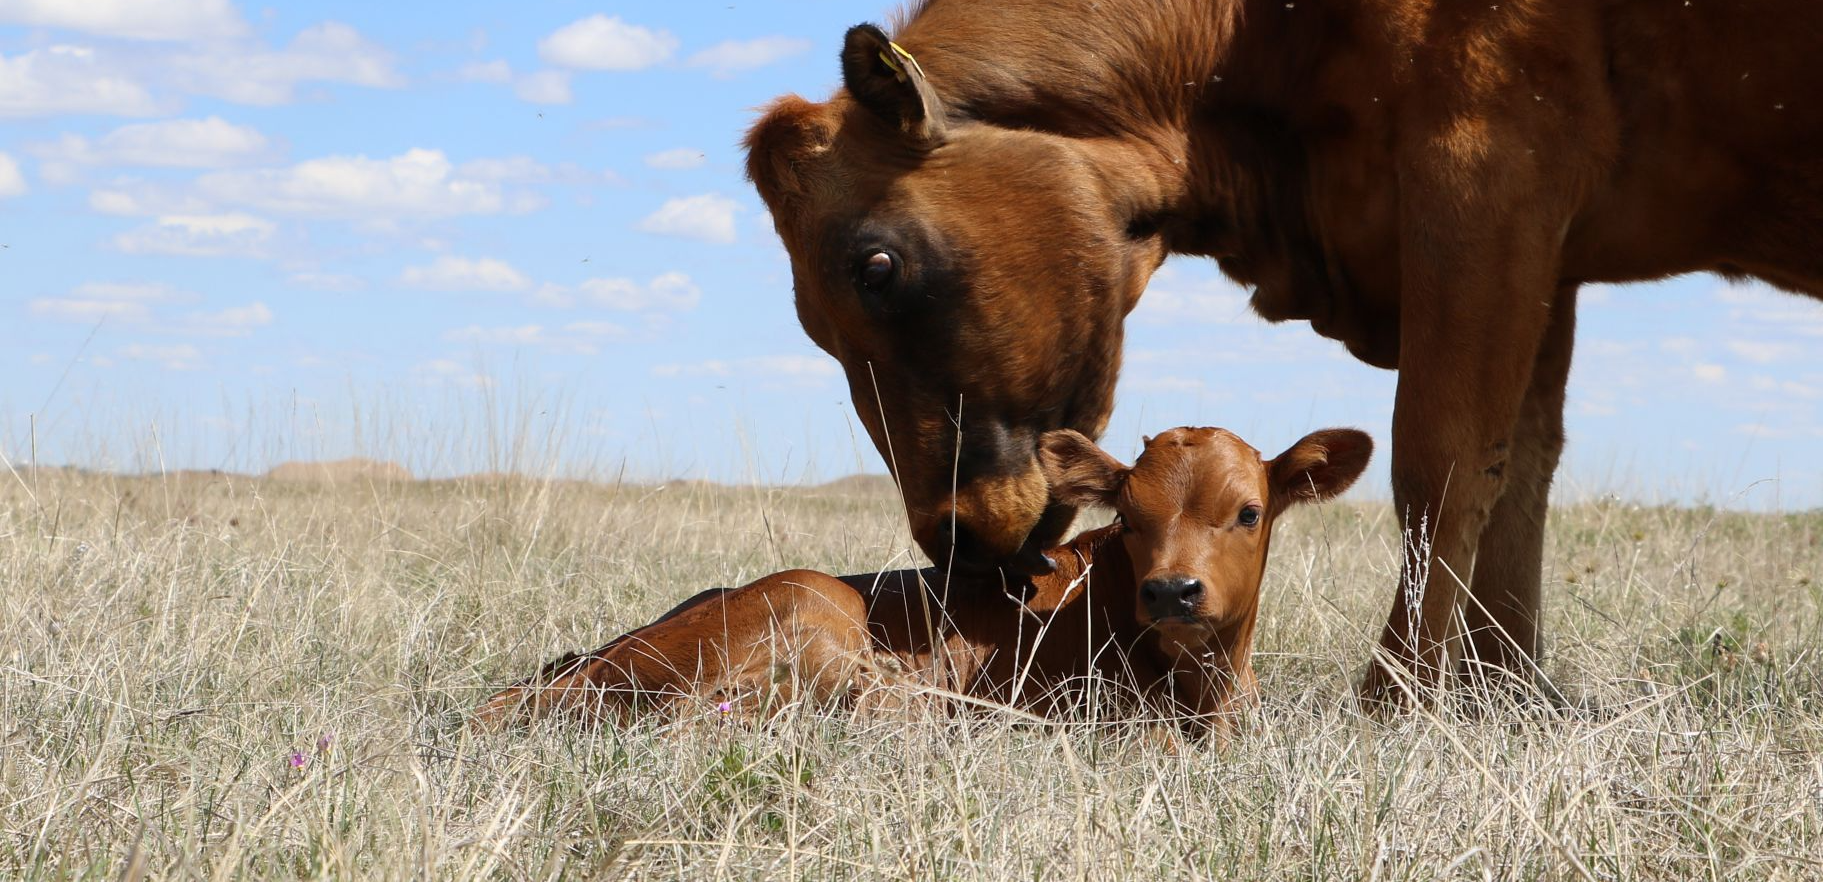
1161 604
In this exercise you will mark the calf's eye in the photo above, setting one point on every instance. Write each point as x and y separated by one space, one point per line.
1250 516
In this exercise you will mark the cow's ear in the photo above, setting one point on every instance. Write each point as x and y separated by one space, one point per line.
1080 473
1321 465
789 135
887 80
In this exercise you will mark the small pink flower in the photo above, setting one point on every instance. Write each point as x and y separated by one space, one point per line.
298 759
725 708
323 743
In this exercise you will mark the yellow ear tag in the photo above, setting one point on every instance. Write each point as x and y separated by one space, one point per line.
894 65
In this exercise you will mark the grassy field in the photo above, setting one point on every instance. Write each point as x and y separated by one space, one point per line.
234 678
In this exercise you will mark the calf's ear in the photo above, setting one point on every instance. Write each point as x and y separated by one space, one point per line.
1321 465
887 80
1078 472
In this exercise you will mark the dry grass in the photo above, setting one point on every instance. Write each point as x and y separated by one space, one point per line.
166 646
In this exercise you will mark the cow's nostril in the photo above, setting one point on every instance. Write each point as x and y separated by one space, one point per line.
960 545
956 536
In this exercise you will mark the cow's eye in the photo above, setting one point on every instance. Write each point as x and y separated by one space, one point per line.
877 271
1250 516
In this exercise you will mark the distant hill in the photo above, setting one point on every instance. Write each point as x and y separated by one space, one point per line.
362 470
862 485
340 471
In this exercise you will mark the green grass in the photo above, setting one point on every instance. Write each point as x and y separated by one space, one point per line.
166 645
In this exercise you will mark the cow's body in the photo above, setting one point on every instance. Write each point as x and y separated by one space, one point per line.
1426 181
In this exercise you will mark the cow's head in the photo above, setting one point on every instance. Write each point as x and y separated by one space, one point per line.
972 280
1197 510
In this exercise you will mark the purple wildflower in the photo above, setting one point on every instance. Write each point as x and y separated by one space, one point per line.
298 759
725 708
323 743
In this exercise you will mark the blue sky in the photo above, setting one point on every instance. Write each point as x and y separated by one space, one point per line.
468 236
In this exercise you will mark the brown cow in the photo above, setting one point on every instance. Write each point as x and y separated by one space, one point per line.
1161 604
973 214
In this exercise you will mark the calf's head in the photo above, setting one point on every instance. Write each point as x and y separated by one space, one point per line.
1197 510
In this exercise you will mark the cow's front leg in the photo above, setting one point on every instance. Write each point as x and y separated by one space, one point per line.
1502 614
1452 446
1479 280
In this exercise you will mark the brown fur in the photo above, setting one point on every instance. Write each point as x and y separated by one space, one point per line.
805 634
1427 181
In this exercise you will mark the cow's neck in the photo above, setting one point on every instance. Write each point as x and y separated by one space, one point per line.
1143 79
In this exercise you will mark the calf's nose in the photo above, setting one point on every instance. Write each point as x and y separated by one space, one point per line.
1168 597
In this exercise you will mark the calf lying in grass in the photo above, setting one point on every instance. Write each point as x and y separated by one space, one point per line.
1157 609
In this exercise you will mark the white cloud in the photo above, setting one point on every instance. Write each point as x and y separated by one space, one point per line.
733 56
178 143
603 43
511 335
203 235
538 87
505 170
87 311
543 87
330 52
449 273
1214 302
550 294
177 357
801 370
1760 430
450 371
1762 351
496 71
1745 293
680 158
132 19
526 170
12 181
132 304
596 329
1761 304
135 198
68 79
581 338
1709 373
418 182
144 292
1172 385
327 281
1763 383
671 292
235 321
709 218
